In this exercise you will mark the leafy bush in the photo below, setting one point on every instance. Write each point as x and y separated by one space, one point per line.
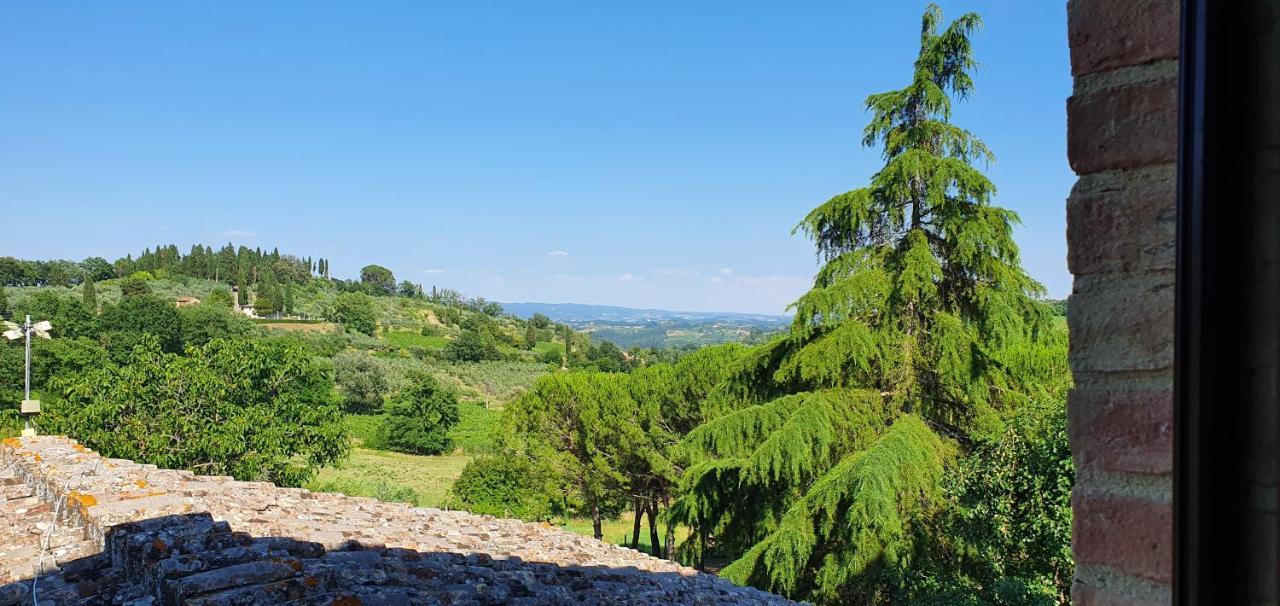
502 486
473 346
69 316
362 380
252 410
210 320
355 312
418 418
364 429
137 315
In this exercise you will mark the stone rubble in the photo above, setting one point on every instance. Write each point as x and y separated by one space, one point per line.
128 533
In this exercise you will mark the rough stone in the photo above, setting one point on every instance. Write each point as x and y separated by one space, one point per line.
137 534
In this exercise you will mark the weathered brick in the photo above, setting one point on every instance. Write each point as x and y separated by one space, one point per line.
1118 428
1105 595
1123 221
1122 322
1130 534
1105 34
1124 126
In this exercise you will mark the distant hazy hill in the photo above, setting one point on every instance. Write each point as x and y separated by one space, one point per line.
628 327
579 312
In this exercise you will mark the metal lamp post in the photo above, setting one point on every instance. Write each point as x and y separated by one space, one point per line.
13 331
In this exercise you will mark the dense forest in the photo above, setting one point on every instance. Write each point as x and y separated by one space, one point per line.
902 441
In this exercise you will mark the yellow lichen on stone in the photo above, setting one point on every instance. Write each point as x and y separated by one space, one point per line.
13 442
81 501
140 483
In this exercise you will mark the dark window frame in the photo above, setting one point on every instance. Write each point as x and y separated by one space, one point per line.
1212 338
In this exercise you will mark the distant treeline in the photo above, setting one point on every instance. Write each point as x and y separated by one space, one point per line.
230 264
235 266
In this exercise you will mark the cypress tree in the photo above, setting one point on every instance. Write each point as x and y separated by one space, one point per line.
90 294
921 334
4 303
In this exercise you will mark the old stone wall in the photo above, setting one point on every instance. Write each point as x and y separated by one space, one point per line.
173 537
1122 142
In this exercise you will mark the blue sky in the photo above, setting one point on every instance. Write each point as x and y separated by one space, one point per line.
640 154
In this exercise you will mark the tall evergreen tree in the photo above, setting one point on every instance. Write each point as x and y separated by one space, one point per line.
90 294
920 334
4 303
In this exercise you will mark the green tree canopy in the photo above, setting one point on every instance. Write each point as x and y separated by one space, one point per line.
355 312
69 316
252 410
212 320
473 346
134 286
378 279
89 294
219 297
418 418
921 333
577 427
124 322
363 381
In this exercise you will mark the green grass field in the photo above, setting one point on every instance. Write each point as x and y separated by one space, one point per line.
407 338
474 432
425 482
379 474
542 347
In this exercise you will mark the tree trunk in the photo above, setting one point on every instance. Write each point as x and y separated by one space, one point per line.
655 544
670 544
635 526
597 532
702 550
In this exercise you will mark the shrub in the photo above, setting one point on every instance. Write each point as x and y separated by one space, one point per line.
70 316
418 418
248 409
354 311
142 314
211 320
502 486
362 380
136 285
473 346
374 488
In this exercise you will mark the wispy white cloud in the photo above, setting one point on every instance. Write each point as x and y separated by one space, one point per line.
434 271
684 273
726 270
567 277
628 277
238 233
715 279
557 253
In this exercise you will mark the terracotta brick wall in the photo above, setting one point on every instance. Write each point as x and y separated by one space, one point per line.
1122 142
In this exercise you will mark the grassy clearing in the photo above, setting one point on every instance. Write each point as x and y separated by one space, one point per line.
542 347
425 482
299 325
386 475
474 432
